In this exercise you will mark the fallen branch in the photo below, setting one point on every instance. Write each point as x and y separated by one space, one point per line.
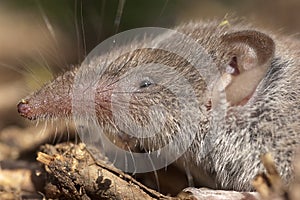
73 174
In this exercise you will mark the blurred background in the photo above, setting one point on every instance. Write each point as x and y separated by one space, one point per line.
40 39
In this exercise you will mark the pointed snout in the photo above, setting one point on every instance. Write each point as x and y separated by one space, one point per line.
24 109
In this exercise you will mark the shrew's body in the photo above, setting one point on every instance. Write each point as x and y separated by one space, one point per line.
250 109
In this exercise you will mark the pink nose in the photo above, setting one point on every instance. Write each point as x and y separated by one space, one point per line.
23 108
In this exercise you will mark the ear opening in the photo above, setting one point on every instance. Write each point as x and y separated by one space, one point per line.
249 54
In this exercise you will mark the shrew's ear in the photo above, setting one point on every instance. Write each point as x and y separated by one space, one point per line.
249 54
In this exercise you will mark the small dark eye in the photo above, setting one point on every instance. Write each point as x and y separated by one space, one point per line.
145 83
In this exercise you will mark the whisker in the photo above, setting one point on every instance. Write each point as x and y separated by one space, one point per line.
132 157
119 15
77 32
66 124
36 123
155 173
45 127
156 179
46 20
163 8
51 31
101 18
114 75
82 29
189 175
14 68
46 66
55 133
43 131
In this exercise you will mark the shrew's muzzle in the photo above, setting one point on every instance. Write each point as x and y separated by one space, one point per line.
25 110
